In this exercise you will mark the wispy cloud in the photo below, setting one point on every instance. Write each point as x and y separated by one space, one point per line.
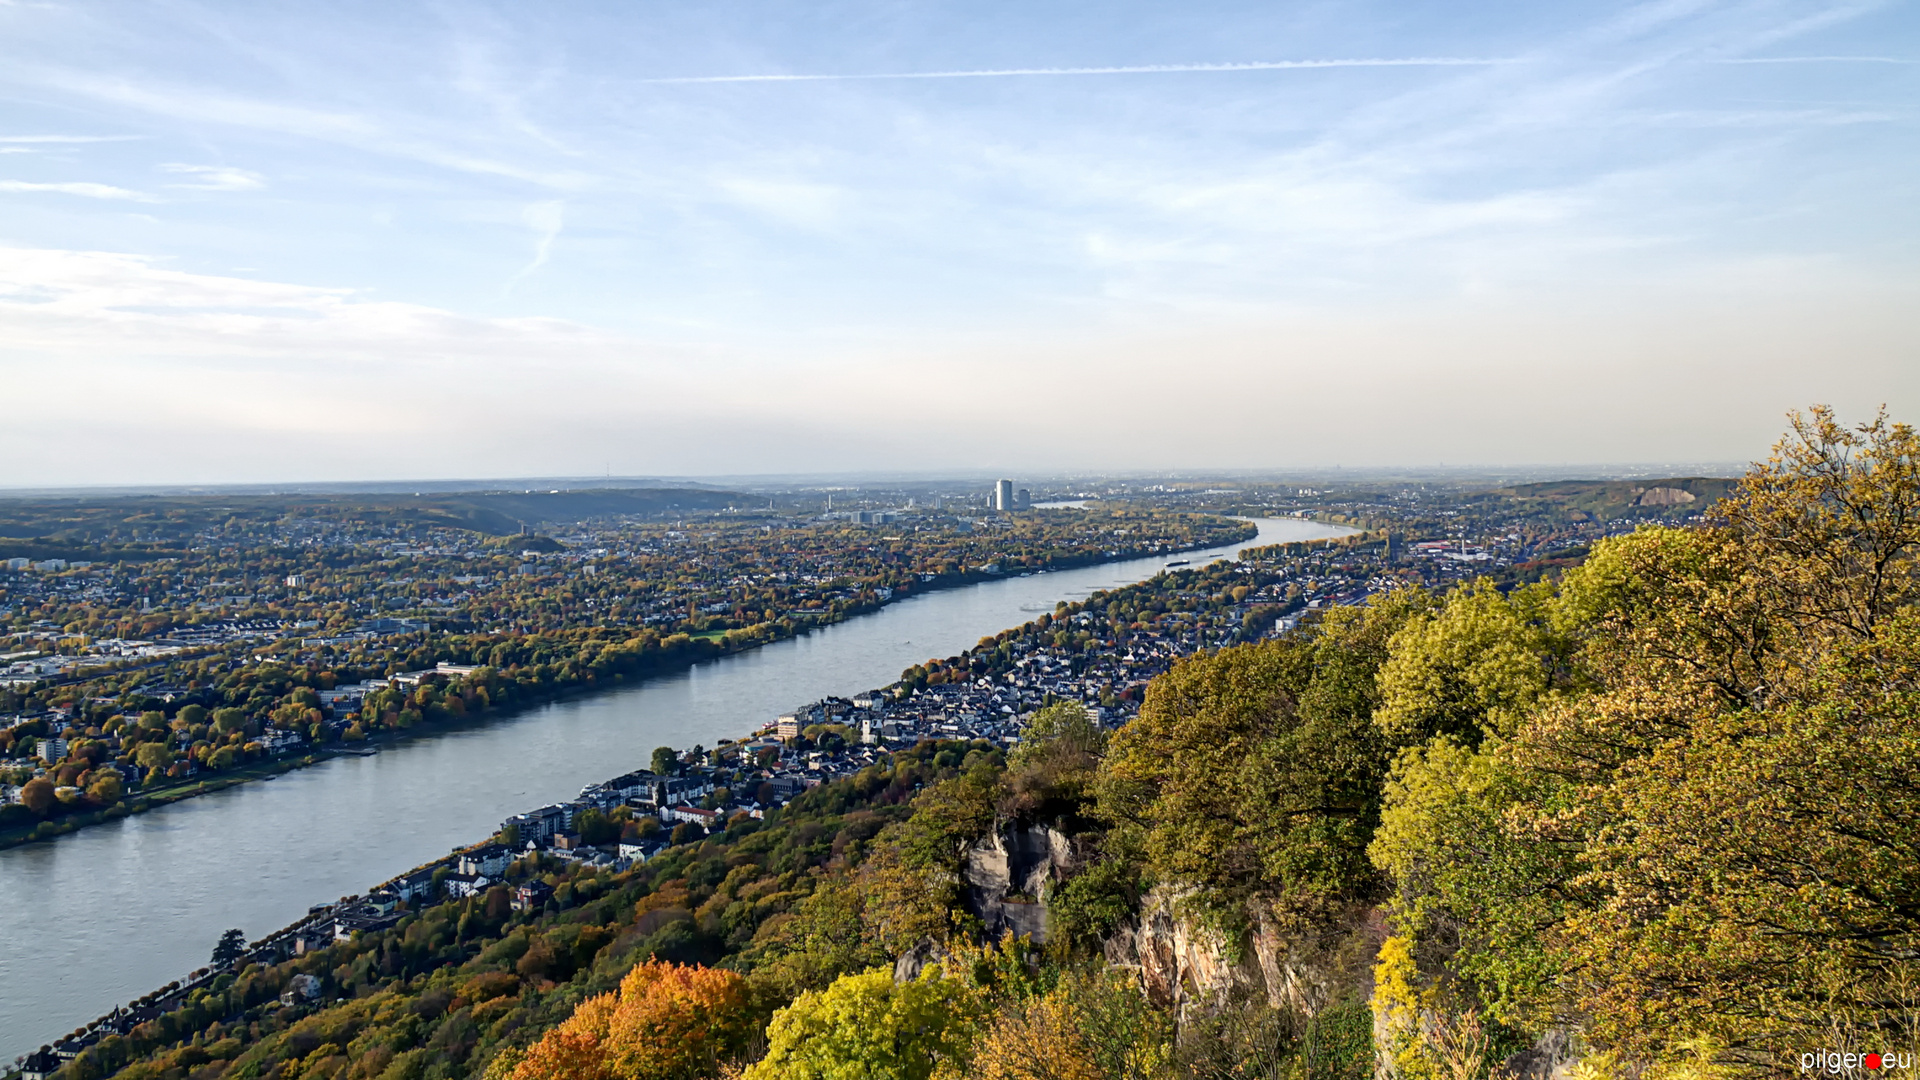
339 126
546 219
68 138
81 188
1135 69
1756 118
216 177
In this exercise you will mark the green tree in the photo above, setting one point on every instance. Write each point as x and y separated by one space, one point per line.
596 829
153 755
868 1027
666 762
1473 667
1051 772
230 948
1254 774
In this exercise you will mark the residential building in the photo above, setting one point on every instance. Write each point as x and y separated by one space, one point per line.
531 895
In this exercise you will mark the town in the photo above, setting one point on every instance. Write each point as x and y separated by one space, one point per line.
257 647
1099 653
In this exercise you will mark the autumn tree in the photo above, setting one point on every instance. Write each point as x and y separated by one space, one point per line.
106 788
1700 836
37 795
666 1022
1093 1025
153 755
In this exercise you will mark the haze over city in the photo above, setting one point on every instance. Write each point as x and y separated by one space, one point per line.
245 243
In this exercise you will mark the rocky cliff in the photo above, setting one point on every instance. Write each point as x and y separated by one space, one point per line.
1009 874
1182 961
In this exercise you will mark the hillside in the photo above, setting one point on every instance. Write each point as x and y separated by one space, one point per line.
1609 500
43 527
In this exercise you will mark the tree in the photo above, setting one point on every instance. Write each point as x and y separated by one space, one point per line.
105 789
37 795
868 1027
153 755
1254 774
665 761
596 829
1703 837
230 948
1094 1025
1051 772
1471 668
666 1022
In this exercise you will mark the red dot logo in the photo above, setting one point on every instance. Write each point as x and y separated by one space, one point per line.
1872 1062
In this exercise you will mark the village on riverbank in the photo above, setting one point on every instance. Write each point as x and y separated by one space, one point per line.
1100 652
262 645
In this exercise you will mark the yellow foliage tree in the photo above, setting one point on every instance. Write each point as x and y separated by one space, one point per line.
1092 1026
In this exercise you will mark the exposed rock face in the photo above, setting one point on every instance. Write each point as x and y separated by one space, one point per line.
915 960
1664 496
1182 962
1184 965
1551 1057
1009 874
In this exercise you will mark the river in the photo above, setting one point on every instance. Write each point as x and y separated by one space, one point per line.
94 919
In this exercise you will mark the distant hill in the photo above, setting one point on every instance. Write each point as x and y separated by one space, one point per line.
1607 500
41 527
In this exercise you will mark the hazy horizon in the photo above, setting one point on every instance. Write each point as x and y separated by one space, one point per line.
247 244
947 479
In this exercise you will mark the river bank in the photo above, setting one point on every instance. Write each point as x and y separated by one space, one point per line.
143 898
696 649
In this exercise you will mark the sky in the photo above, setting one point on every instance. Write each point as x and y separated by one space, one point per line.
269 241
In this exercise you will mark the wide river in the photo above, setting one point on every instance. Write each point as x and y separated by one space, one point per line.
97 918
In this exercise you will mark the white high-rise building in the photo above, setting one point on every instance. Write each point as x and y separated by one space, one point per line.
1003 495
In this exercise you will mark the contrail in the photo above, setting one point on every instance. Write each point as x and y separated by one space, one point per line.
1142 69
1813 60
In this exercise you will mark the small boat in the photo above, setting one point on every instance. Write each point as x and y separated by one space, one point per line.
1176 562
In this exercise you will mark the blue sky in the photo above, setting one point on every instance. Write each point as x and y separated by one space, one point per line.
323 241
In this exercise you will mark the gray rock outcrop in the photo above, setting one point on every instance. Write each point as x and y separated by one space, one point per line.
1010 874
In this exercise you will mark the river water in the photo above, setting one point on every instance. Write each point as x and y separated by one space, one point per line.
97 918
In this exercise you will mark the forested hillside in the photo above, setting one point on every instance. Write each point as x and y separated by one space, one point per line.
1651 818
105 527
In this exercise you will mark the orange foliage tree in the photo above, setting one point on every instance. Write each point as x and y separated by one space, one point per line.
666 1020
